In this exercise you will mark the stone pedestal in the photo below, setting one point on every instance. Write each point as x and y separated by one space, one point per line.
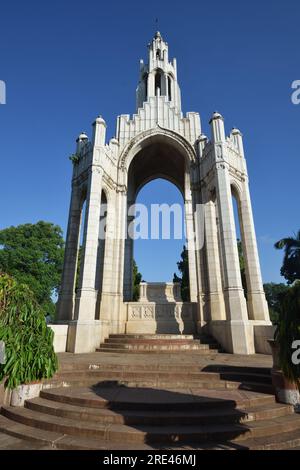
83 336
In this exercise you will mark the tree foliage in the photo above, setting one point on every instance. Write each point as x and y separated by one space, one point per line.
33 255
28 341
183 268
137 277
288 331
273 293
290 269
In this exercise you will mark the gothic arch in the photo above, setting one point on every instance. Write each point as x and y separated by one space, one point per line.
157 134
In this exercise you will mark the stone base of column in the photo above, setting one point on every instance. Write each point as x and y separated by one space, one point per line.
84 336
85 304
65 307
234 336
217 306
257 306
235 304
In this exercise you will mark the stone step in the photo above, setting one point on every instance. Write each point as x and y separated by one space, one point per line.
120 350
142 345
36 438
8 442
236 369
162 375
140 374
149 434
159 366
28 433
159 418
159 383
152 336
124 398
281 441
166 342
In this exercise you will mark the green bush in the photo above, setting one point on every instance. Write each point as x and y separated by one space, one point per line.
28 341
288 330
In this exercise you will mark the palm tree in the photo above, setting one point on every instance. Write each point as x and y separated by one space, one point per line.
291 261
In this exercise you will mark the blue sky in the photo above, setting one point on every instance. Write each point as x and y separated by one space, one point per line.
65 62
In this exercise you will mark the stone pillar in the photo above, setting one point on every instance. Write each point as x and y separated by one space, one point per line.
84 332
65 305
240 338
191 247
215 291
109 295
256 300
120 310
128 261
198 198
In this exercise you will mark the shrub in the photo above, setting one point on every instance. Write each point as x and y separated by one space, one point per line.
288 330
28 341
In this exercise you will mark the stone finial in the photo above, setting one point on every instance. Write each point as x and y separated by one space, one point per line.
237 138
215 116
235 131
99 120
99 131
217 127
82 137
202 137
202 140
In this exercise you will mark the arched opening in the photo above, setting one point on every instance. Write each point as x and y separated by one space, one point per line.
169 89
239 238
158 83
101 252
145 81
158 249
158 175
78 275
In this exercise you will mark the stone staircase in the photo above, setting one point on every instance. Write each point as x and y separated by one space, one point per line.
141 343
154 401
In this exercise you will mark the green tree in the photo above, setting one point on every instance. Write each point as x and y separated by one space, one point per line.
288 331
290 269
183 268
28 341
33 255
274 293
137 277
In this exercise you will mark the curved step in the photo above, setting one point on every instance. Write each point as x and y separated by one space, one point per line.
51 440
149 434
159 418
113 397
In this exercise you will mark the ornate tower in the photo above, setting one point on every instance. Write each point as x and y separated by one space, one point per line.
158 141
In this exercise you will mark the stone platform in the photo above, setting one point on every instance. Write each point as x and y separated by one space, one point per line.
169 400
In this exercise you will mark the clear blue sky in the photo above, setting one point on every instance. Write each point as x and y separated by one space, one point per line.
65 62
